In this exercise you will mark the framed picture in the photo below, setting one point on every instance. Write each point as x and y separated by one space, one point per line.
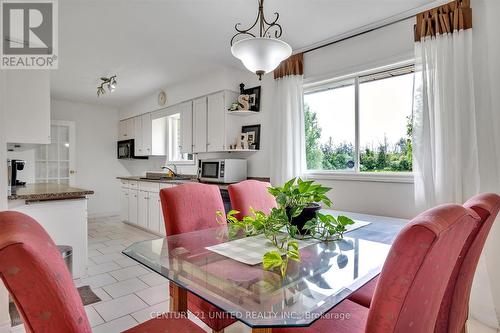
254 97
253 135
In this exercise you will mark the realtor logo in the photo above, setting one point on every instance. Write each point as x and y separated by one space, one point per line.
29 34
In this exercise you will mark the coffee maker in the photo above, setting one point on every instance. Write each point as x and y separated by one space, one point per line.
14 166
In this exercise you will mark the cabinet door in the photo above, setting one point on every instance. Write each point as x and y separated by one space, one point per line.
200 125
216 125
162 221
130 132
154 212
138 144
132 206
124 204
142 210
186 111
146 133
122 130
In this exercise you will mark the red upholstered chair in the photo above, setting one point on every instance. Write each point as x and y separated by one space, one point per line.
251 194
454 308
414 277
41 286
190 207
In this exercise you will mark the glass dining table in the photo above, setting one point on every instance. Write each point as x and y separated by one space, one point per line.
326 275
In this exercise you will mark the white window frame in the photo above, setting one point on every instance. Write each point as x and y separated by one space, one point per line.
356 174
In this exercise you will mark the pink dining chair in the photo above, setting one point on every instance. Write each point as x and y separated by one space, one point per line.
413 280
191 207
41 286
454 308
251 194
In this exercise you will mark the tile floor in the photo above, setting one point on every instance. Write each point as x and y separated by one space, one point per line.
130 292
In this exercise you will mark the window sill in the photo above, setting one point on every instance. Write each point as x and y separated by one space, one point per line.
180 162
386 177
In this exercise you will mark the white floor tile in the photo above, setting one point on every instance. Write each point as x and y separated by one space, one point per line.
96 246
126 287
93 316
153 279
102 268
92 253
120 307
116 326
151 312
126 262
129 272
97 281
111 249
155 294
102 258
104 296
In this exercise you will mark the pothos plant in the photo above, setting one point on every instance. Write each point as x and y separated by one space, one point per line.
278 226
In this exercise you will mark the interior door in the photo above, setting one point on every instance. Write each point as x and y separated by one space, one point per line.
56 162
200 125
216 123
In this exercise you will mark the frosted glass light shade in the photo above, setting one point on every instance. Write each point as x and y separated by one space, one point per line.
261 54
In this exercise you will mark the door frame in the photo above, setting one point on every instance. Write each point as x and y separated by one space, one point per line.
72 147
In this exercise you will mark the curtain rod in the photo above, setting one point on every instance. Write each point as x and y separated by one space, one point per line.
372 27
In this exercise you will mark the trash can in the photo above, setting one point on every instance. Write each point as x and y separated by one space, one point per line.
67 255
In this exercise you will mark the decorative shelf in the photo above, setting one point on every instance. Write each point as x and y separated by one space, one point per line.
242 113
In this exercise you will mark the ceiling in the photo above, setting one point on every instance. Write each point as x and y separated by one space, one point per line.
156 43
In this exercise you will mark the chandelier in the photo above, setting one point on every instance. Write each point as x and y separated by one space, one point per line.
260 53
109 83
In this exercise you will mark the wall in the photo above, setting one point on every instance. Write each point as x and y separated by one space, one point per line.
96 163
378 48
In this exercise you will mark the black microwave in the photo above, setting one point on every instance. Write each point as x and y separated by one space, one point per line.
125 150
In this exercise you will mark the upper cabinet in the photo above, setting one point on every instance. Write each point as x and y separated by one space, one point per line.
200 125
127 128
216 122
186 115
27 105
142 135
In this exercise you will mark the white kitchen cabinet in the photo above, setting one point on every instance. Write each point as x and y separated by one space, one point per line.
200 125
138 137
154 212
124 204
146 133
216 122
126 129
158 135
27 106
142 209
163 232
186 112
132 206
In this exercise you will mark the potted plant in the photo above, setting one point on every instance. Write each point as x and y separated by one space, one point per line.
301 199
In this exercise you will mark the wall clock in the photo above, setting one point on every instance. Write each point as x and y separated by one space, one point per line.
162 98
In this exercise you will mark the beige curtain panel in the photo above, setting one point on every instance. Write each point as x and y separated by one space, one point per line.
456 15
294 65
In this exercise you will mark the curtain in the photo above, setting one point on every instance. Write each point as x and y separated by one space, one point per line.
289 149
288 157
456 147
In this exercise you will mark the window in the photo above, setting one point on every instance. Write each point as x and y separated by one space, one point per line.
362 124
174 140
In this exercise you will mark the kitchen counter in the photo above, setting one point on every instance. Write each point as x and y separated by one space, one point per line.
47 191
170 181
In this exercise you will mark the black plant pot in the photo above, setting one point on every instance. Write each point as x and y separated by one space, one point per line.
307 214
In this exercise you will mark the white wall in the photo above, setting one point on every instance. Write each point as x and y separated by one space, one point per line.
96 162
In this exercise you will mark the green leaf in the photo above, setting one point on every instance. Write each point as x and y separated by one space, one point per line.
272 259
344 220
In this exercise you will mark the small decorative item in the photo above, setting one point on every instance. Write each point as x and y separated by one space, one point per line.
253 135
243 102
253 97
162 98
234 107
242 142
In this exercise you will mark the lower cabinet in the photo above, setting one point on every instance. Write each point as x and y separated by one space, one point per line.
154 212
143 209
132 206
124 204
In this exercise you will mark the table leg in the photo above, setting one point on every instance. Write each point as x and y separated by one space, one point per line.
262 330
179 299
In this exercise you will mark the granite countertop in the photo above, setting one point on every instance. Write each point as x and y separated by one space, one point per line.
47 191
170 181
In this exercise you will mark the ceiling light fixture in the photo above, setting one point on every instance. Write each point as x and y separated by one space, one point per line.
109 83
264 53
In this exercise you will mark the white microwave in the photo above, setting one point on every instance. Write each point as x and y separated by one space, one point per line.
222 170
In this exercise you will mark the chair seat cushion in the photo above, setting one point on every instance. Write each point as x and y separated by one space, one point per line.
364 295
168 323
347 317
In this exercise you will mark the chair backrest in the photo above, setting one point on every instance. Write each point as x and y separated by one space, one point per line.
415 275
190 207
455 306
251 194
35 275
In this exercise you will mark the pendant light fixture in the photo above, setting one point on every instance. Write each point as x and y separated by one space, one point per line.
109 83
260 53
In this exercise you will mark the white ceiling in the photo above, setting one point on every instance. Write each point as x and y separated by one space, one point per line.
155 43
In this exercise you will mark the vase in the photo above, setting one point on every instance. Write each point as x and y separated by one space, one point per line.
307 214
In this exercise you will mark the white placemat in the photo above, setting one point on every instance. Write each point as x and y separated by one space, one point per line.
249 250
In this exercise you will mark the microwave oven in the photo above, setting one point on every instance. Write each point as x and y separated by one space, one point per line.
125 150
222 170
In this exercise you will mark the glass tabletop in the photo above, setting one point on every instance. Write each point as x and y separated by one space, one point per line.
327 273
